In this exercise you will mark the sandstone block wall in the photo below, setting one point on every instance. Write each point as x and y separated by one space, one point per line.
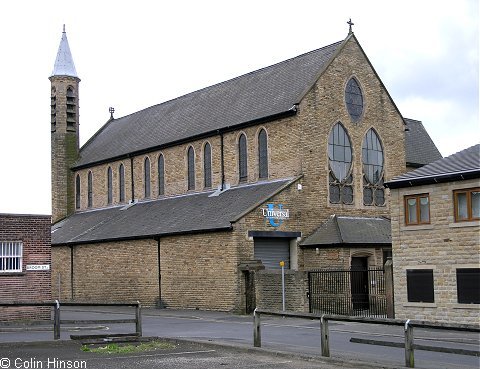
443 246
120 271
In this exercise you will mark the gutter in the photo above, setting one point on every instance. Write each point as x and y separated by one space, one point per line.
285 114
432 179
142 237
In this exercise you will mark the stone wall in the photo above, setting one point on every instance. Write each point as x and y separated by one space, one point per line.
199 271
120 271
443 246
29 285
64 146
268 288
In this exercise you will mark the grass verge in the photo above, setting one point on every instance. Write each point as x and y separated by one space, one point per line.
115 348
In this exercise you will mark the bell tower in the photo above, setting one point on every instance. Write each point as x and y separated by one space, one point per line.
64 130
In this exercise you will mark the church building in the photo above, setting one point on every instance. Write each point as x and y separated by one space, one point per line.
194 202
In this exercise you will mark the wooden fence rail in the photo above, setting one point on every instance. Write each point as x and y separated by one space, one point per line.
407 324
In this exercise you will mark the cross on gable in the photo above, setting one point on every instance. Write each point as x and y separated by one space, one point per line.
350 24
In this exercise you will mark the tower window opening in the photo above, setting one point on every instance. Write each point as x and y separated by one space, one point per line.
53 109
71 110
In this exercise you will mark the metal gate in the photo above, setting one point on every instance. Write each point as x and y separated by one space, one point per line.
359 292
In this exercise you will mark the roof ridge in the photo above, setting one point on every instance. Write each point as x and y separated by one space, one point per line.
234 78
263 94
341 44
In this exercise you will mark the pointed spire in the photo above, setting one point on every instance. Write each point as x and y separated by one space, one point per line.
64 65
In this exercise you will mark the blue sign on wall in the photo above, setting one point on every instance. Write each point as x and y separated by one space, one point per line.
275 216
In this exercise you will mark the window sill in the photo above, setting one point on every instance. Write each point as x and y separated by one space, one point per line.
336 205
467 306
473 223
420 304
421 227
11 274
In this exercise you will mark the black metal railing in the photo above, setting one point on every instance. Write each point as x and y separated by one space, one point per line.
352 292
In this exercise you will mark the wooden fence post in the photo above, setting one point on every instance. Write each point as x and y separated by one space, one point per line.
56 320
389 293
409 351
257 337
324 339
138 319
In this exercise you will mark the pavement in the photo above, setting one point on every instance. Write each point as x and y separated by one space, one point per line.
206 339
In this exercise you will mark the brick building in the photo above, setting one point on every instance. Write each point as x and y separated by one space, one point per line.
173 204
25 258
435 239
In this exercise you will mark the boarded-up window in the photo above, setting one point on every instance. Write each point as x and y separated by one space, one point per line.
468 285
420 285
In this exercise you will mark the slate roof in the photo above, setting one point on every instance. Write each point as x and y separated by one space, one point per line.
350 231
464 164
167 216
267 92
419 147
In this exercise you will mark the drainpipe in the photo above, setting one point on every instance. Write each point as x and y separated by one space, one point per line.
71 274
160 304
222 162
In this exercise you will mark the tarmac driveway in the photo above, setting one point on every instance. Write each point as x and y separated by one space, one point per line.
68 354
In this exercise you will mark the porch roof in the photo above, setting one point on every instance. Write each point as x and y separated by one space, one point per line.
351 230
191 213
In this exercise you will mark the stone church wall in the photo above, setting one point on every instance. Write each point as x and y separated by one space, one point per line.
107 272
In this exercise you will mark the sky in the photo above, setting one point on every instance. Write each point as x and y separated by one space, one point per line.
132 55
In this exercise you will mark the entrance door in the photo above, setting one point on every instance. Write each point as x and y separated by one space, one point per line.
359 283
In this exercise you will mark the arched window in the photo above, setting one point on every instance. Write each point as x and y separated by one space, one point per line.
354 99
191 168
90 189
340 165
146 177
109 185
242 158
372 158
77 192
161 175
121 182
262 155
207 165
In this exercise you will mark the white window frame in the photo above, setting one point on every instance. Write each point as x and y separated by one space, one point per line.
11 256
